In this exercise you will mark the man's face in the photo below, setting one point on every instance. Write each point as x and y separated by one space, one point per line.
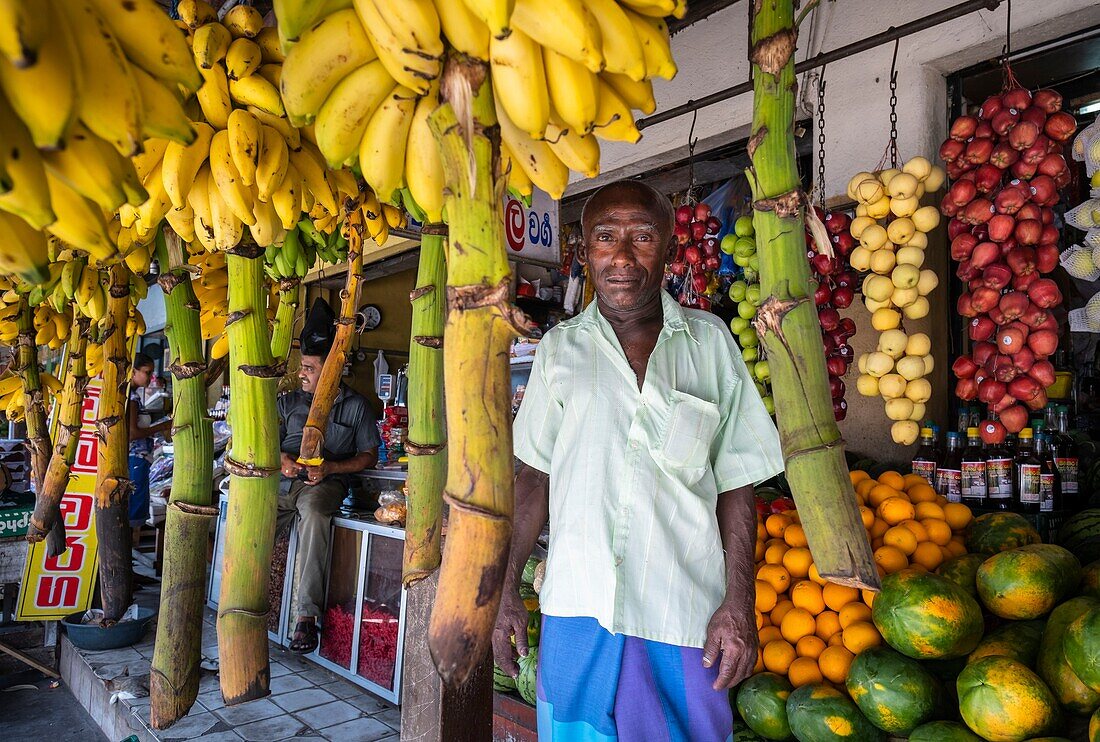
625 248
141 376
309 372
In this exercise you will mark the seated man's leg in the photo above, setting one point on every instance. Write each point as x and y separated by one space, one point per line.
139 496
316 505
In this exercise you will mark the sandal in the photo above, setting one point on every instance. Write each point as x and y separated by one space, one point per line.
305 637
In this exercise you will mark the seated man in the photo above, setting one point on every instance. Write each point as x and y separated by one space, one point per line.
141 444
314 493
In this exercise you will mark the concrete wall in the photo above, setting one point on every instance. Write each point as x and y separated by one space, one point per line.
712 55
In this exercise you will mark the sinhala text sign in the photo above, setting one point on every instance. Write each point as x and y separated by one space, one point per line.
532 233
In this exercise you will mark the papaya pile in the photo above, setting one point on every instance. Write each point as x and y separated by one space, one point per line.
980 631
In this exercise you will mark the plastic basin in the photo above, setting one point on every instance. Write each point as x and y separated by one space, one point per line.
95 638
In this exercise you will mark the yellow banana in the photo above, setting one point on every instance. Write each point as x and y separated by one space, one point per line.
162 113
518 182
564 26
415 23
242 59
382 149
196 13
220 348
496 14
411 67
213 97
70 277
21 32
658 8
297 16
267 229
287 198
535 157
579 152
22 248
150 39
150 158
230 186
519 81
83 166
182 221
463 28
243 21
79 222
29 197
619 42
637 95
155 207
614 121
292 135
244 142
268 41
181 163
210 44
423 165
138 260
45 94
395 217
347 112
228 227
198 198
310 164
574 91
656 45
272 163
9 384
273 73
326 53
257 90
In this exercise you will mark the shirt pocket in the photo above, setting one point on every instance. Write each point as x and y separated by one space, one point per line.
340 439
688 434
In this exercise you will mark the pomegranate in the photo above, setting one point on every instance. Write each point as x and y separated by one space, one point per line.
1043 343
1045 293
1014 418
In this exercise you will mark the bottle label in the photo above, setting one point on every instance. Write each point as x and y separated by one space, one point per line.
973 479
1046 493
998 474
1068 468
949 484
1030 475
926 469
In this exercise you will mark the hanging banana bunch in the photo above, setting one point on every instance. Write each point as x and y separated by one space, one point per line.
83 85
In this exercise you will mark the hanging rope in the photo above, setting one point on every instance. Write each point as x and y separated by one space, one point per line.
689 197
821 139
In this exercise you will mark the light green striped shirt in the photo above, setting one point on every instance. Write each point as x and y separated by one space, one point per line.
635 475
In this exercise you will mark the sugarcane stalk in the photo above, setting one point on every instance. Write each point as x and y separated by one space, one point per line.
312 450
253 465
174 675
282 332
481 323
426 444
787 319
113 485
46 507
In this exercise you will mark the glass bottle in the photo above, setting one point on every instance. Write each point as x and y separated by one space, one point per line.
1028 471
926 461
1065 458
1050 489
999 476
964 420
949 473
974 488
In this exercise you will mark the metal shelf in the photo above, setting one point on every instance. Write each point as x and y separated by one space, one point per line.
394 475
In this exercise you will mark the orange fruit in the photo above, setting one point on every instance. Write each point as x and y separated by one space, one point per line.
918 568
759 666
759 620
807 595
876 543
957 515
834 663
917 529
858 476
797 623
778 656
929 510
938 531
816 576
803 671
928 555
810 646
894 510
837 596
864 487
852 613
836 640
861 635
758 551
891 559
922 492
868 597
892 479
776 524
774 553
880 493
867 515
795 536
941 500
797 562
769 634
765 622
900 538
766 597
879 527
794 516
828 623
956 548
912 480
761 532
780 611
776 576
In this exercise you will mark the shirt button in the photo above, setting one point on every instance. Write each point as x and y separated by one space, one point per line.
634 446
618 561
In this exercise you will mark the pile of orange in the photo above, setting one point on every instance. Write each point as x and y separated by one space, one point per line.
811 629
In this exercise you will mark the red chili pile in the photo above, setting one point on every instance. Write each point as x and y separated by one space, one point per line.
836 284
1008 166
377 642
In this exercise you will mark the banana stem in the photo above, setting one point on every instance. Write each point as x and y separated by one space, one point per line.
787 319
290 293
481 323
113 485
427 436
253 465
38 436
174 676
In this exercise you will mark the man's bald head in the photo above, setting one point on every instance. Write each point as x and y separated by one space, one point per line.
633 192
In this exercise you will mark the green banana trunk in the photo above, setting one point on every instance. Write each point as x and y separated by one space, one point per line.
113 485
174 676
787 319
253 465
282 333
38 434
481 324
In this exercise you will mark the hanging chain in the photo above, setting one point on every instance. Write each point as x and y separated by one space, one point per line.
894 107
821 138
689 197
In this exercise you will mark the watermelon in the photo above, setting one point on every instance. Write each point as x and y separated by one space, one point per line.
762 703
818 712
1003 701
943 731
1027 582
502 681
1052 667
1000 531
1081 535
1094 726
893 691
742 733
925 616
525 681
1016 639
528 575
963 571
1090 580
1081 645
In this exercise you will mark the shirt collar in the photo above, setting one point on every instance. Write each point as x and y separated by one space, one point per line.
674 318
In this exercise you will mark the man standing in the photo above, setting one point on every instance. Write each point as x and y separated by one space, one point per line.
641 436
314 493
141 444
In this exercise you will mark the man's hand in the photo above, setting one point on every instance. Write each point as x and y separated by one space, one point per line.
290 467
732 633
511 621
314 474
